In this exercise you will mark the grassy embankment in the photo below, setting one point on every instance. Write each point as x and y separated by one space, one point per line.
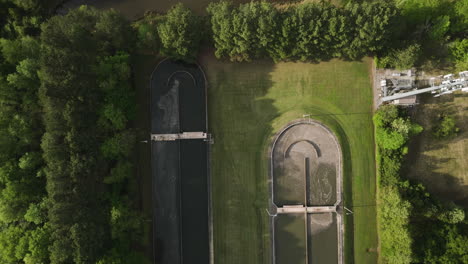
248 104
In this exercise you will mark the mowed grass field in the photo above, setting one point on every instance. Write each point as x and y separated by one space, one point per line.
247 104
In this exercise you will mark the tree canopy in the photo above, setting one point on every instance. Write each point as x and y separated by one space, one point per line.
311 31
88 103
66 90
180 33
414 226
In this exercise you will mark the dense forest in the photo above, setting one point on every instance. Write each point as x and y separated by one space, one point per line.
67 189
67 173
87 103
430 34
24 233
306 32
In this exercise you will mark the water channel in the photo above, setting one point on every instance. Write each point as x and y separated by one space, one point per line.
179 168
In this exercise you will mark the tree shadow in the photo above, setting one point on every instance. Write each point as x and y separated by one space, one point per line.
347 188
240 120
444 186
428 156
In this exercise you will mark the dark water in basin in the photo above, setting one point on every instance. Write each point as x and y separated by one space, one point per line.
318 244
194 201
322 238
179 168
290 239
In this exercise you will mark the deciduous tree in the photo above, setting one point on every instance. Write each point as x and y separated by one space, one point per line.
180 33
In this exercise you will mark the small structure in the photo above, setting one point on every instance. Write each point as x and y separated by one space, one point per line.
448 76
184 135
407 101
402 93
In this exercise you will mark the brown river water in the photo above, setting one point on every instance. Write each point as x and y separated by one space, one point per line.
134 9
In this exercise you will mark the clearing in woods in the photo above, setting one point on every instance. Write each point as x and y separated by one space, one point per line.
441 163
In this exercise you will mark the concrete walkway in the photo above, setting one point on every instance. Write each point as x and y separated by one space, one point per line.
173 137
294 209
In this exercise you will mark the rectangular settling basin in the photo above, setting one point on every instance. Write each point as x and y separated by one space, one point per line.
322 237
290 239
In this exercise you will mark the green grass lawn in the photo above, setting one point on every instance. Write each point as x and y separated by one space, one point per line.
248 104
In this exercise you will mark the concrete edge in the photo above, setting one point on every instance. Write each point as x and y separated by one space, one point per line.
209 155
339 217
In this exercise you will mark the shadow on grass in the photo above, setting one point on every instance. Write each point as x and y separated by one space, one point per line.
347 191
429 158
239 119
444 186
